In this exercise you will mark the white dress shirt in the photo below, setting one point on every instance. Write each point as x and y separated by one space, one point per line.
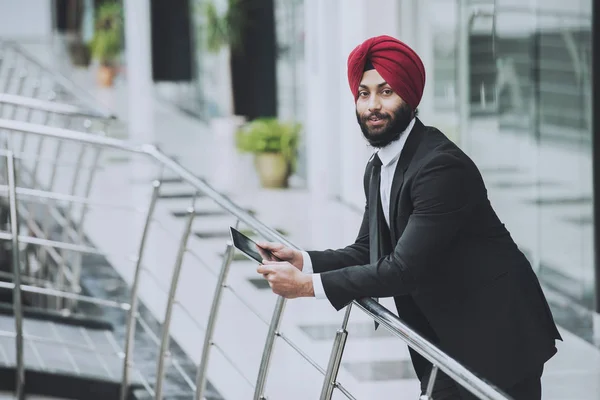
389 156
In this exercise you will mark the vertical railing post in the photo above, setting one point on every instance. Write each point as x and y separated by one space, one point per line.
5 89
13 111
47 218
10 66
210 327
430 384
18 312
88 187
84 209
40 251
265 361
36 88
335 358
31 214
164 342
38 153
20 83
133 304
68 227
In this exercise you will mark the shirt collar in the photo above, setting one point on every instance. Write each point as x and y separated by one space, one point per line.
391 152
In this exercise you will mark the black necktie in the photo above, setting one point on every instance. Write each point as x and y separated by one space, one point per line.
374 206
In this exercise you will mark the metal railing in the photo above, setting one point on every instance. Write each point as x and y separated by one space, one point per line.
72 241
20 65
376 311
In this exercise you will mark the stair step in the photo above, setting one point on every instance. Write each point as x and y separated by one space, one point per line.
61 355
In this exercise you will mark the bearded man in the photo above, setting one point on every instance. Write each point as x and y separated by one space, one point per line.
430 239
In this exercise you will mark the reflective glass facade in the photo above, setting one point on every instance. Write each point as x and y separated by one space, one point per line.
527 122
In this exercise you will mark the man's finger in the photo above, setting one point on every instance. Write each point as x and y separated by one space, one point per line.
266 245
264 269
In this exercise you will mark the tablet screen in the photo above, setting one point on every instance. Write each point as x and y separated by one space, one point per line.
250 248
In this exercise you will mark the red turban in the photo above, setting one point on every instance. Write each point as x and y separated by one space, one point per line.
397 63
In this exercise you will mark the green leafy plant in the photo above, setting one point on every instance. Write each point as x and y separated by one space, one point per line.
222 30
269 135
106 43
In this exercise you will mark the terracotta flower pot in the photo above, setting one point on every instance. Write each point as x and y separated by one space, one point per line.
273 170
106 75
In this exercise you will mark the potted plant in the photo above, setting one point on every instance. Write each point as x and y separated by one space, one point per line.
80 53
78 47
106 43
274 144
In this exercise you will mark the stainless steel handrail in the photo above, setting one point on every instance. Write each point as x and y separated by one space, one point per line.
21 68
210 328
431 352
380 314
165 336
43 196
131 320
49 106
62 80
73 136
67 295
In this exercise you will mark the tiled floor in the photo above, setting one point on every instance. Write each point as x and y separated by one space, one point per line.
375 365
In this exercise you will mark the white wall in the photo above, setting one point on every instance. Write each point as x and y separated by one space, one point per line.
361 20
25 19
322 93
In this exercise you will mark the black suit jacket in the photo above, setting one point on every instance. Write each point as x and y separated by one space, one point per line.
455 273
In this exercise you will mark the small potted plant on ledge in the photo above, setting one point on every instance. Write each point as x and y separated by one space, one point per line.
275 145
106 44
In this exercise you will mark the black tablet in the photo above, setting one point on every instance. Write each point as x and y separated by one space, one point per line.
249 248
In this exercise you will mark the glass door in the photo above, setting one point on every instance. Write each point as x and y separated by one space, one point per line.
527 115
560 121
499 136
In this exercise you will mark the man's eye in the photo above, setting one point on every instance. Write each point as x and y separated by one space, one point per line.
387 92
363 94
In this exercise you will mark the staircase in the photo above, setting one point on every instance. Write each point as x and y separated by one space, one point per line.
66 357
73 326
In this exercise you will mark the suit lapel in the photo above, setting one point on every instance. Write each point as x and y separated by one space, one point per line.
410 147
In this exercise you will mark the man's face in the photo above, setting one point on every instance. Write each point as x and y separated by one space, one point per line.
381 113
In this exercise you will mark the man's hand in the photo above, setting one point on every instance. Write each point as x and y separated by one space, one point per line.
286 280
284 253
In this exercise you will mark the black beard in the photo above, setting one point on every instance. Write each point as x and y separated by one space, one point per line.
391 131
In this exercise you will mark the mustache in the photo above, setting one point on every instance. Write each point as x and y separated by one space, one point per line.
375 114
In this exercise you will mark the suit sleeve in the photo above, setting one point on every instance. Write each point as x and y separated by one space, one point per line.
442 202
354 254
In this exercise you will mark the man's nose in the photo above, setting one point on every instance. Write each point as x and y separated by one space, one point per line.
374 103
